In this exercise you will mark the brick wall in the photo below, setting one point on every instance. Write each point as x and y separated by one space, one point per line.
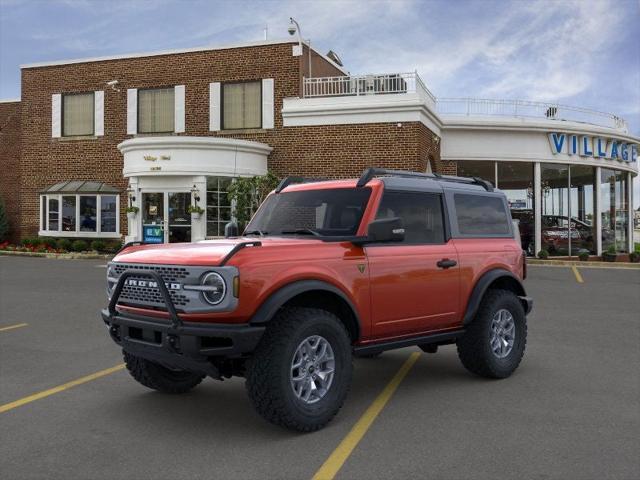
326 151
10 163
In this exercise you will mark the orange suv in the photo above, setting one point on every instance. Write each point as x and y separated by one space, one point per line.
326 270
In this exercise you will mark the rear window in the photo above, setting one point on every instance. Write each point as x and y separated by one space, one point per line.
481 215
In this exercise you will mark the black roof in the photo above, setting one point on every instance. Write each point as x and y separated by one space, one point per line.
81 186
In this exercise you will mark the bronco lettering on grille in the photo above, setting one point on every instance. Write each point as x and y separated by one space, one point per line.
132 282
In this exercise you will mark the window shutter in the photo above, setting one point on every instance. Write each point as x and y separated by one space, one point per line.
56 115
98 111
179 108
214 106
132 111
267 103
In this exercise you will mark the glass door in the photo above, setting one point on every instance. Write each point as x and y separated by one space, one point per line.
153 217
179 218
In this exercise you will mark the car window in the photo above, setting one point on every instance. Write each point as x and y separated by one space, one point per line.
481 215
421 215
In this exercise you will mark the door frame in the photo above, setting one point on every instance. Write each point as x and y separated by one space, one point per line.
165 212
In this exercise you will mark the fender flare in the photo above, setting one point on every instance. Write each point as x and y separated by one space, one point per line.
483 284
267 310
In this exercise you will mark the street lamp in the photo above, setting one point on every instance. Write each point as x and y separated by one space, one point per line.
294 27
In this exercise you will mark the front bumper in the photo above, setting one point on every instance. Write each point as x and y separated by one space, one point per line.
174 343
527 304
189 346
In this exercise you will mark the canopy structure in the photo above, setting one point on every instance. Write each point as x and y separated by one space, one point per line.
81 186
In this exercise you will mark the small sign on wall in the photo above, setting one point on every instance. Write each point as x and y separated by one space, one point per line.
152 234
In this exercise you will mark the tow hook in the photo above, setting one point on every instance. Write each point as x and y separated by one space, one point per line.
173 342
114 331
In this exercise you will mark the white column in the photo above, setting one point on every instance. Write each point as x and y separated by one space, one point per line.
598 214
630 211
134 225
199 226
537 207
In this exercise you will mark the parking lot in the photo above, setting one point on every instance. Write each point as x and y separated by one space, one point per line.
572 409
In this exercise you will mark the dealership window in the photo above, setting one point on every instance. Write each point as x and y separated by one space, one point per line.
555 208
156 110
582 208
218 205
72 209
480 215
614 210
78 114
515 179
478 168
241 105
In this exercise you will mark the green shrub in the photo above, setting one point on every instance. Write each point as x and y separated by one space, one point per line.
64 244
113 246
30 242
543 254
47 242
583 255
79 246
98 245
611 249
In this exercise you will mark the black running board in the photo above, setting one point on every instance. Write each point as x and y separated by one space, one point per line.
434 338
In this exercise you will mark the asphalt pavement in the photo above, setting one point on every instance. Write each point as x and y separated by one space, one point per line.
571 411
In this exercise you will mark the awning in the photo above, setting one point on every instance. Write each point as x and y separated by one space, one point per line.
81 186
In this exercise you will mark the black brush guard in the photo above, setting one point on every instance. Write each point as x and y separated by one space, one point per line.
190 346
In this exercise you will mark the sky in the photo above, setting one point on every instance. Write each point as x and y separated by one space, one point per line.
584 53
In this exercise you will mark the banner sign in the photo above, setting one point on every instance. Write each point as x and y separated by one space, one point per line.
152 234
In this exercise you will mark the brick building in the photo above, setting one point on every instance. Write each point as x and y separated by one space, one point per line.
160 131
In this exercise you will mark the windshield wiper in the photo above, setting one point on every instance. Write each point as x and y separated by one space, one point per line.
301 231
255 232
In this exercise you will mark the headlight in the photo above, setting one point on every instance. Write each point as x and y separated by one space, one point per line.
214 288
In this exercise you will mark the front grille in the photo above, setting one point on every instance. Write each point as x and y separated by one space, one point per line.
147 296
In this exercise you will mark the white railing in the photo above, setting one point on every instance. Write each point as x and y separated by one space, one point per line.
357 85
524 108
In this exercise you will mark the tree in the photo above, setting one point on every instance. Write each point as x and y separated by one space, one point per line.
247 193
4 222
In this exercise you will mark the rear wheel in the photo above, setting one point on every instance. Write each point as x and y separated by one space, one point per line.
301 371
494 342
157 377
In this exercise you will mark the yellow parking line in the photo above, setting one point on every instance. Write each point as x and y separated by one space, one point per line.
11 327
37 396
577 274
334 463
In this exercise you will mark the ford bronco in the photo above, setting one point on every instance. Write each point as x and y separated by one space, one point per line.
323 271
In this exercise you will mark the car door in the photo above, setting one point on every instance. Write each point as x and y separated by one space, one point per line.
414 283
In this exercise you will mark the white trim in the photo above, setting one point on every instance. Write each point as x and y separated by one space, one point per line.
171 52
47 233
77 233
630 212
179 100
98 112
268 103
132 111
56 115
214 107
184 142
9 100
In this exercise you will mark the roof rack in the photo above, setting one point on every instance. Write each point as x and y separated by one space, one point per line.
291 180
371 172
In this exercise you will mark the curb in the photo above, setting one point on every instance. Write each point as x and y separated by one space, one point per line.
60 256
570 263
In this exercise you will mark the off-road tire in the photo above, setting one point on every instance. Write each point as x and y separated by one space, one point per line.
268 376
157 377
474 348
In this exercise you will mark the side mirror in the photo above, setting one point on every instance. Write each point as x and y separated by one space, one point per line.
231 229
386 230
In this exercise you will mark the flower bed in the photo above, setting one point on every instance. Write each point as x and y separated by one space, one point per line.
47 245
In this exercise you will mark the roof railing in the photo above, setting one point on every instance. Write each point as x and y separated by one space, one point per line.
371 173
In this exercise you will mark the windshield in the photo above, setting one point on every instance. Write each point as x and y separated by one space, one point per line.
325 212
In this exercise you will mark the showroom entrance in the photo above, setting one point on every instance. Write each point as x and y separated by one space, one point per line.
165 218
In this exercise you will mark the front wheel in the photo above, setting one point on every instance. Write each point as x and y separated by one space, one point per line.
494 342
300 373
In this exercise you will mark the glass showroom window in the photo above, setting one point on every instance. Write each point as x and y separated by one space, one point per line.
555 208
614 210
77 114
156 110
218 205
515 179
241 105
582 207
478 168
80 215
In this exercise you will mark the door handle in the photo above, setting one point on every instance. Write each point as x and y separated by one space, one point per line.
446 263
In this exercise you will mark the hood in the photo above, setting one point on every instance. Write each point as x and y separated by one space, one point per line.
205 253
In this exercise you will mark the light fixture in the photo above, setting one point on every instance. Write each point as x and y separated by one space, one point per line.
132 197
194 192
294 27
